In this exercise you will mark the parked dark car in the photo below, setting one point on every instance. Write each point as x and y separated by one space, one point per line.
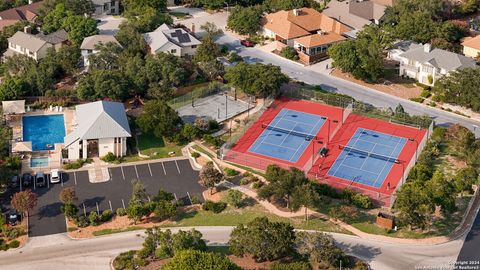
40 179
14 181
27 180
247 43
13 217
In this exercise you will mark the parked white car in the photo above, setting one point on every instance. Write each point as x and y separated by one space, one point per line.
55 176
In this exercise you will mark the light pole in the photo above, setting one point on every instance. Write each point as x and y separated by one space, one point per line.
416 147
328 128
313 149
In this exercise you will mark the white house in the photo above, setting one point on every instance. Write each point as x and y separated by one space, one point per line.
427 65
34 46
89 46
176 41
106 7
101 127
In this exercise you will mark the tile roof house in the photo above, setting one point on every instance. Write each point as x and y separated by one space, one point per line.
305 29
35 46
471 46
176 41
23 13
427 65
355 13
101 127
89 44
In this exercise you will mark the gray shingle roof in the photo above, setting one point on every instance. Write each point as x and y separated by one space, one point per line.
439 58
90 42
30 42
100 119
56 37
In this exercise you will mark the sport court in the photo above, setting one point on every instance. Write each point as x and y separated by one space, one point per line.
288 135
368 157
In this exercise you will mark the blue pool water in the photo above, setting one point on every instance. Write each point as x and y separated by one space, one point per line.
43 131
39 162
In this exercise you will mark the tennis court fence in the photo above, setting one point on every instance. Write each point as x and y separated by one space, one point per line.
188 98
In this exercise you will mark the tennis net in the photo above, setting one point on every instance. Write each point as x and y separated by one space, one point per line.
369 154
292 132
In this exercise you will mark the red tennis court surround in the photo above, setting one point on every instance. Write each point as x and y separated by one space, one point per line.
335 132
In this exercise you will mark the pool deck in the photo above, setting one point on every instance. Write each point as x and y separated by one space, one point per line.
55 156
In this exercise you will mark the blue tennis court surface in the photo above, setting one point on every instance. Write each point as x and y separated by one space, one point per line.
368 157
288 135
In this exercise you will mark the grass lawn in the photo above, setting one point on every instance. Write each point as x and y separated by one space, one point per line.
155 147
201 150
112 231
232 217
178 15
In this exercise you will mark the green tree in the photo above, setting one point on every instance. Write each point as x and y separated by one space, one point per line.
158 117
198 260
165 209
24 201
137 209
464 179
12 88
262 239
234 198
304 196
283 185
131 39
164 244
245 20
100 84
212 70
79 27
319 248
441 192
53 20
414 205
275 5
147 19
107 56
289 53
210 176
67 195
460 88
140 4
207 51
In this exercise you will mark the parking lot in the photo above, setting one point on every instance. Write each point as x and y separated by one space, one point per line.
175 176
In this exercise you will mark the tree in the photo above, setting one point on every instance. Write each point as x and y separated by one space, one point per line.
79 27
136 207
68 57
136 211
283 184
165 244
24 201
257 79
80 7
147 19
212 70
207 51
460 88
414 205
464 179
234 198
100 84
107 56
319 248
305 195
131 40
158 117
53 20
210 176
289 53
165 209
198 260
210 29
67 195
262 239
441 192
139 192
275 5
13 88
140 4
245 20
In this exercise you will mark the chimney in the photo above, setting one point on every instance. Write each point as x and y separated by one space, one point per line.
193 28
27 29
427 47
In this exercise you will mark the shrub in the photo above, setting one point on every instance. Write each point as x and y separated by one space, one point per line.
195 200
215 207
121 212
107 215
70 210
195 154
94 218
417 99
11 233
289 53
14 244
82 222
326 190
290 266
234 198
13 163
234 57
165 209
3 247
109 157
425 93
362 201
245 181
258 184
76 164
247 174
128 260
347 194
231 172
215 141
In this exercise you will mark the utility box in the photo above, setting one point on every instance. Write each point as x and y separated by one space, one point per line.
386 221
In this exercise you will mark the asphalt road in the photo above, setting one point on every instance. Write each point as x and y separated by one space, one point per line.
470 253
60 252
356 91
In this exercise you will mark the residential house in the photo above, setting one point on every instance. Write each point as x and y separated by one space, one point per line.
100 127
89 45
106 7
176 41
356 13
400 47
27 13
305 29
427 65
35 46
471 46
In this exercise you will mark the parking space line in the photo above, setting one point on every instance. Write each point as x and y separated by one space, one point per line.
175 195
178 169
98 211
109 202
190 199
84 210
136 172
123 203
61 179
75 178
123 174
20 180
163 166
48 181
110 172
150 169
35 183
148 197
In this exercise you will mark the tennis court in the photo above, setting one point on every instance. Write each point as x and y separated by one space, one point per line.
368 157
288 135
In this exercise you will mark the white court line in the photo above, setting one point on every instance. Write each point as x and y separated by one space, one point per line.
150 170
163 166
123 174
269 132
136 172
277 145
178 169
385 165
341 163
75 178
305 141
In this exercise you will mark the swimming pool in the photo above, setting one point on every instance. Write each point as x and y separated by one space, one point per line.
43 131
39 162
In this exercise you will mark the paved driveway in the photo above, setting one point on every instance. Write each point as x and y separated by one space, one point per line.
176 177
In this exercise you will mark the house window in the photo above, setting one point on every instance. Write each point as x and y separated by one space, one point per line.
194 46
89 51
31 53
427 69
411 62
173 50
